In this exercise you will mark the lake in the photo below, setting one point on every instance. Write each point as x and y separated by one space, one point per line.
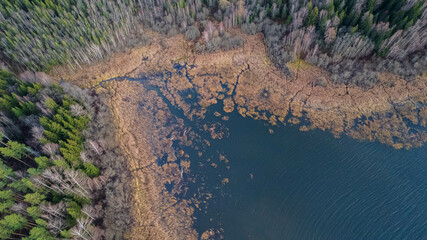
277 182
288 184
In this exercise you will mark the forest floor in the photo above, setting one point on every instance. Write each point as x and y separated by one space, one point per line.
246 81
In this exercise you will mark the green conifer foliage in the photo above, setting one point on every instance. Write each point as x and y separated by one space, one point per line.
59 185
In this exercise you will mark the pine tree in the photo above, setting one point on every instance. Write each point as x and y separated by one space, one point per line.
34 211
43 162
312 15
91 170
6 202
37 233
13 222
15 151
34 198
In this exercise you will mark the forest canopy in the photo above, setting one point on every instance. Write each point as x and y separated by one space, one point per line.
333 34
50 185
58 169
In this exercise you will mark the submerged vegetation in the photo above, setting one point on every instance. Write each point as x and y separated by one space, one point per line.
62 174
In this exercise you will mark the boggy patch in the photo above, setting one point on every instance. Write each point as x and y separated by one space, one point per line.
241 84
152 117
147 131
397 121
163 114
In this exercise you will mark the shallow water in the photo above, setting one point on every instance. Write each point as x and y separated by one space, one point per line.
286 184
307 185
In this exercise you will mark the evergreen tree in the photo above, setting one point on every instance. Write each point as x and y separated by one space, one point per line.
312 15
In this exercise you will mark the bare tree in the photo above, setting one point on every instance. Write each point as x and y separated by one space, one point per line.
95 147
27 76
96 183
192 33
37 132
55 224
401 44
50 149
43 78
210 28
68 181
85 158
77 110
352 46
19 207
92 212
330 35
206 36
97 233
40 182
221 28
78 180
81 230
45 111
57 210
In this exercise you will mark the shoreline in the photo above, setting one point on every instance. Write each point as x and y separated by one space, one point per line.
264 88
142 135
247 82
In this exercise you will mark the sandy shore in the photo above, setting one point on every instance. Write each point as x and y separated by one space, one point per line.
247 82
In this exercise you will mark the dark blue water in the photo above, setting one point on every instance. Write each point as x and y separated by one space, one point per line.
301 185
310 185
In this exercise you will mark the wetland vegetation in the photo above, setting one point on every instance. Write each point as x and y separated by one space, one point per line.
185 108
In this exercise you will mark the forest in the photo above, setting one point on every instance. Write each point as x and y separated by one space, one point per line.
60 169
352 39
51 184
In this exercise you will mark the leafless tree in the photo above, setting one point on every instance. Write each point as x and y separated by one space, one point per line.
78 180
21 174
6 121
95 147
210 28
92 212
192 33
37 132
68 181
19 207
77 110
50 149
300 40
330 35
221 28
206 36
27 76
382 27
352 46
85 158
97 233
40 182
401 44
223 4
45 111
80 231
43 78
56 224
96 183
57 210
